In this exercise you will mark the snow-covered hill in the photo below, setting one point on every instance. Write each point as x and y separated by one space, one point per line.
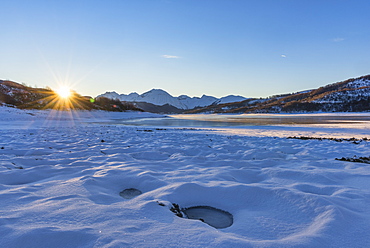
160 97
352 95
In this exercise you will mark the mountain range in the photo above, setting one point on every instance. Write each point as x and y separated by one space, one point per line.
160 98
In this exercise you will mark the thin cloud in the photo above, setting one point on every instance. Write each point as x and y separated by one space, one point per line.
170 57
283 56
338 39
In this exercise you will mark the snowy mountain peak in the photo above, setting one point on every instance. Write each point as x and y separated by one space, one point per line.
156 92
161 97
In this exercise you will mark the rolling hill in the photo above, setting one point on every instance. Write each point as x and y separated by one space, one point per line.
352 95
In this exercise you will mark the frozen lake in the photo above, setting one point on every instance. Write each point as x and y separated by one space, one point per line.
245 120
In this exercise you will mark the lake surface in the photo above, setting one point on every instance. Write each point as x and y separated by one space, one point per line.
215 120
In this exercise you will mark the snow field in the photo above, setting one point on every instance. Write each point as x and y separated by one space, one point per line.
59 187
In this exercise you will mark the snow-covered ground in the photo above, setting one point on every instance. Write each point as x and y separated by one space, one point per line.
61 176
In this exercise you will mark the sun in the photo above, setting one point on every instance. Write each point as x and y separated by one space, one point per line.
64 92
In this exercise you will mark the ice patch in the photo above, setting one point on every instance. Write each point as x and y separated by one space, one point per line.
214 217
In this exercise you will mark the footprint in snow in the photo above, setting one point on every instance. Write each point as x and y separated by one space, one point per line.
130 193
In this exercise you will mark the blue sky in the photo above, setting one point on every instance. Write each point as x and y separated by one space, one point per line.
251 48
